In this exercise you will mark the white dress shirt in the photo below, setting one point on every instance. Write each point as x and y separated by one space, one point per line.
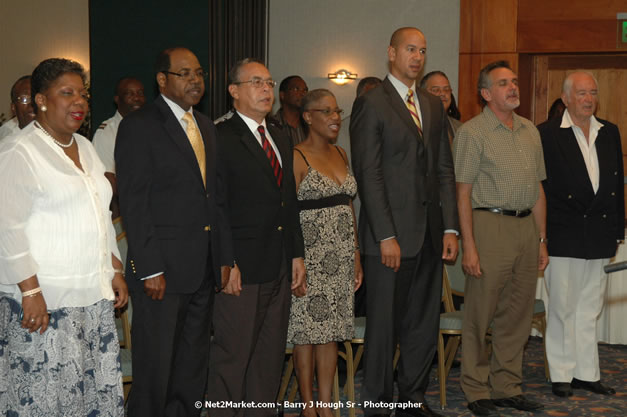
403 90
55 221
253 125
588 150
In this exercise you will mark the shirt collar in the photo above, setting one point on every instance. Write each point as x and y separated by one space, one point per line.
252 125
567 122
494 121
178 111
401 88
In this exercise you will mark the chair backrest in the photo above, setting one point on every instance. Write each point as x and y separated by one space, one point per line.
123 247
117 225
447 298
456 276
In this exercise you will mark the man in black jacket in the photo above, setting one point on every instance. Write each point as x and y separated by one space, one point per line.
585 220
251 313
178 236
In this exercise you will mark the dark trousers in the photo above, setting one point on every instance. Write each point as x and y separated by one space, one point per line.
170 352
248 347
403 308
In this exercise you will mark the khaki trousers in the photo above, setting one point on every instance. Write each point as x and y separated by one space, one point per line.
501 298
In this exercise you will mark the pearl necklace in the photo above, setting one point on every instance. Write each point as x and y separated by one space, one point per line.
63 145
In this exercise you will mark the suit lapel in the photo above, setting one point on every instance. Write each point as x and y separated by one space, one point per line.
397 103
209 141
179 137
572 154
425 110
250 142
605 154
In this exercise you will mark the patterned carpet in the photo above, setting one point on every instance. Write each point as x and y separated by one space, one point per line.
613 360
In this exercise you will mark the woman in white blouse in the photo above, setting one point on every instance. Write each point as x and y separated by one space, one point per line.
60 270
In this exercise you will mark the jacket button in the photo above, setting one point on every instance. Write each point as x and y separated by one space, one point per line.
207 228
282 204
604 216
570 196
613 193
585 215
280 228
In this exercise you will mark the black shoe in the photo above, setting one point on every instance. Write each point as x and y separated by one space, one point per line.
518 402
483 408
562 389
595 387
422 411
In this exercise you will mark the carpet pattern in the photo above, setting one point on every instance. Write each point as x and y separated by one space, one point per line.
613 360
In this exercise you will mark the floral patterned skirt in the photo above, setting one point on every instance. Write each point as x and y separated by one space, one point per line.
73 369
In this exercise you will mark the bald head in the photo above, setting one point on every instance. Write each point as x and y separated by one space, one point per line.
399 34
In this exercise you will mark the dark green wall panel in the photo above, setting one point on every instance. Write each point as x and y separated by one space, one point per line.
126 36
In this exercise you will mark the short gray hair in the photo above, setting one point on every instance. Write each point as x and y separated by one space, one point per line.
484 76
567 85
235 70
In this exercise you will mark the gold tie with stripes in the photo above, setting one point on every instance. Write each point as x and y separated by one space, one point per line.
195 139
412 109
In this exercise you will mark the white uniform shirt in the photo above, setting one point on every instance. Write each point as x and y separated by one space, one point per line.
55 221
9 127
104 141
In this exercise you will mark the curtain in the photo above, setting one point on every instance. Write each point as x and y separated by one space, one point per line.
237 30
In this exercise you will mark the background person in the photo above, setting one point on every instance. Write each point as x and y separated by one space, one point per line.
60 263
437 83
21 106
325 186
129 96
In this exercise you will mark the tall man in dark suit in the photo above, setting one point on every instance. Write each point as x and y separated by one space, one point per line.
585 220
178 237
251 313
404 169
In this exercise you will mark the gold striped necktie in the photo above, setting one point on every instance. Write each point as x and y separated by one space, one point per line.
195 139
412 109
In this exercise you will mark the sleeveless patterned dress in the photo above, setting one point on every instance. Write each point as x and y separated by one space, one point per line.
325 314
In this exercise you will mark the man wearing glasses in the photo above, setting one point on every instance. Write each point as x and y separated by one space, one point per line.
251 311
436 82
178 238
20 106
291 92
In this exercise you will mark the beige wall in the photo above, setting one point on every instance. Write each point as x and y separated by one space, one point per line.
313 38
31 31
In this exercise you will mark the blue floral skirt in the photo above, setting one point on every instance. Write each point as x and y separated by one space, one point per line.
73 369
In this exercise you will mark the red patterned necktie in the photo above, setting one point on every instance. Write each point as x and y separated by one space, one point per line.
274 161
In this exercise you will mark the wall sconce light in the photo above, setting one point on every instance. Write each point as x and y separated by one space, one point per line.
341 76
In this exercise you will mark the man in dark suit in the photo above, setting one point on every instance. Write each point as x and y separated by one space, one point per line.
404 171
585 220
251 313
178 236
